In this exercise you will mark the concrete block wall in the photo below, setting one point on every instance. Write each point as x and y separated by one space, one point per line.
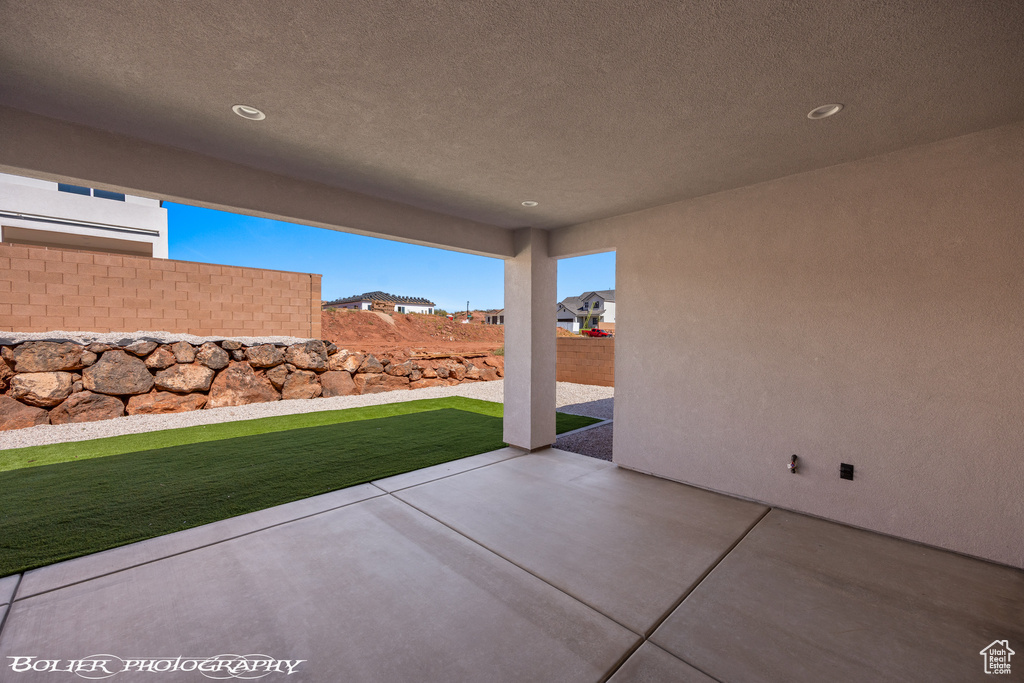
586 361
44 289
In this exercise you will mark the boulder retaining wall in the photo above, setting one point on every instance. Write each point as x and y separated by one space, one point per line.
56 382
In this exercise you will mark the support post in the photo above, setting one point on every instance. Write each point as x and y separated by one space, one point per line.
530 280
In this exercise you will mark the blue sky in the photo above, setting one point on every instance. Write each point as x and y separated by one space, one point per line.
353 264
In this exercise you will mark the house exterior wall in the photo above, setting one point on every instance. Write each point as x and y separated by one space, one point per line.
870 313
415 308
44 289
398 308
609 312
137 224
586 361
607 307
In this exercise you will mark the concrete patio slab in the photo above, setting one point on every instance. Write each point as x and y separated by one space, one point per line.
802 599
629 545
373 591
7 586
651 664
116 559
446 469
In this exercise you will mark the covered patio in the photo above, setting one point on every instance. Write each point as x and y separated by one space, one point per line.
515 566
847 289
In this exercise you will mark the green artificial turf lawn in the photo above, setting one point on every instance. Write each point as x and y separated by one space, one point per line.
55 512
34 456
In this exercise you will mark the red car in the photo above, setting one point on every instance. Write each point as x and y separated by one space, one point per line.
596 333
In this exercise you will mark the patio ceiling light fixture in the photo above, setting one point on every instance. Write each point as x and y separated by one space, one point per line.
247 112
530 203
824 111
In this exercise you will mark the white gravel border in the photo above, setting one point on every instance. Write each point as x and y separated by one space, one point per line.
579 399
123 338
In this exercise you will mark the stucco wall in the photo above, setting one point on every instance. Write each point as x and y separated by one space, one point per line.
586 361
44 289
136 220
869 313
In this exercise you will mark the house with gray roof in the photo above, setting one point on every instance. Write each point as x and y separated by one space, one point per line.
572 311
382 301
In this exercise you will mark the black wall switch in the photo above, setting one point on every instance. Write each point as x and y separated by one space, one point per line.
845 471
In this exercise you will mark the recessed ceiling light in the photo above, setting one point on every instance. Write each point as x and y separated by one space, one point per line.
530 203
824 111
247 112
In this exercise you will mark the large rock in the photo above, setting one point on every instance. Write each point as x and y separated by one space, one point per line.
337 383
160 359
42 389
442 371
141 348
399 369
337 361
88 358
184 379
489 374
231 345
378 382
15 415
5 374
424 383
277 375
371 365
311 355
44 356
456 371
301 384
183 352
429 372
161 402
116 373
351 363
472 371
238 385
265 356
369 382
86 406
330 347
212 356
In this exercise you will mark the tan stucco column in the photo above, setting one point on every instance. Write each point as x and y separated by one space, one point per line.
530 279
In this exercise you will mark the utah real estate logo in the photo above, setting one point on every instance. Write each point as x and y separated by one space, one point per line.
997 657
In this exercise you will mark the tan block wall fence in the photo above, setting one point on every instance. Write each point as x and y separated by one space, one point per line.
44 289
586 361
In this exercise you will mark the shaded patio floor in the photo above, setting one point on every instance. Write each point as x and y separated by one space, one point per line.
524 567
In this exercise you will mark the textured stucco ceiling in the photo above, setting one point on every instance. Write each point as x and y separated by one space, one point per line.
591 107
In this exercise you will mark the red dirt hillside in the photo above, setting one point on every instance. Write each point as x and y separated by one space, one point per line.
378 333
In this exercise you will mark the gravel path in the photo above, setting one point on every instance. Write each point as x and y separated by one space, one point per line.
595 442
579 399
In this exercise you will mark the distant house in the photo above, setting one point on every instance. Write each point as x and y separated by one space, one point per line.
382 301
572 311
495 317
46 214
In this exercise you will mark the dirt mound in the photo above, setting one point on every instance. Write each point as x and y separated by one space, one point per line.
367 331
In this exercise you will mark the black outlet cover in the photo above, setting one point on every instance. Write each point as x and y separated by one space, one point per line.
845 471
